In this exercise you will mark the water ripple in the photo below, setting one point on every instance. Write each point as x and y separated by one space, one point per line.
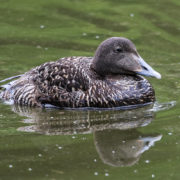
162 106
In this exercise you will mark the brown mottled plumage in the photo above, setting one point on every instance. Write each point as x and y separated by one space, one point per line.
109 79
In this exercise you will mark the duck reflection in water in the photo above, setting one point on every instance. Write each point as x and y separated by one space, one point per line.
116 137
122 147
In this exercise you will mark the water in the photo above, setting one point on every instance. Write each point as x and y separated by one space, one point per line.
113 144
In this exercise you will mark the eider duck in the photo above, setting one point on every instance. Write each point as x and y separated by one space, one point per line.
111 78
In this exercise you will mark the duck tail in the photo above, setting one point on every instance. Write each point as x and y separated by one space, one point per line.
6 86
10 78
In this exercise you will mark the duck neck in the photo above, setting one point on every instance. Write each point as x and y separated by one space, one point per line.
99 67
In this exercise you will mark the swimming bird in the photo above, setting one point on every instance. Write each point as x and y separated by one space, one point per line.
112 78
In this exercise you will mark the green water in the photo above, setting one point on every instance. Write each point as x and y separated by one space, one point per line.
55 144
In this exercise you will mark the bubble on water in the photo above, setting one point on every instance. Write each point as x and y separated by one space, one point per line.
95 173
29 169
123 141
153 176
97 37
73 137
60 147
40 155
42 26
170 133
133 147
38 47
132 15
10 166
113 152
147 161
106 174
46 49
135 171
84 34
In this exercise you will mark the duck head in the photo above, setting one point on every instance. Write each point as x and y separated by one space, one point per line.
118 55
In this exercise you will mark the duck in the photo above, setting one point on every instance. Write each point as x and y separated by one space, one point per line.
113 77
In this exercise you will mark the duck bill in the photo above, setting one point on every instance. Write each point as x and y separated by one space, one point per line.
147 70
148 142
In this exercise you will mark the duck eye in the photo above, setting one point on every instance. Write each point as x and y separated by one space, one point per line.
118 49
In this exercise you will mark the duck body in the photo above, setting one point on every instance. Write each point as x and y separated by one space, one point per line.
70 82
77 82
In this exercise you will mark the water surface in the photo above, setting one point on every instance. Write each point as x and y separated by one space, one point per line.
114 144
